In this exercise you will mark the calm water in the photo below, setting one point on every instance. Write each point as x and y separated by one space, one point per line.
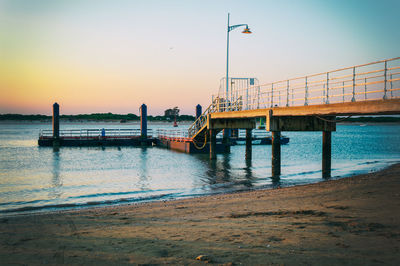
34 178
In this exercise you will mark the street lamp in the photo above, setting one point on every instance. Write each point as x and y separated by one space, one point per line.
230 28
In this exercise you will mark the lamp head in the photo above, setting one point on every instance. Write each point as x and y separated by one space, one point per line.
246 30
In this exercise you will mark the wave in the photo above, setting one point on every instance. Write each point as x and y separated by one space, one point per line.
61 206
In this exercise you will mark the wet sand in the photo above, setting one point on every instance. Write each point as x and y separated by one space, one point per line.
354 221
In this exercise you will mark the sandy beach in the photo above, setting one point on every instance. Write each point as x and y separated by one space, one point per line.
353 221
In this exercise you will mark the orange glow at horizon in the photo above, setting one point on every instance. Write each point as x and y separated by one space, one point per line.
112 57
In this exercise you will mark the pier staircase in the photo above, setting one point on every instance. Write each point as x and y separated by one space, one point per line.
198 130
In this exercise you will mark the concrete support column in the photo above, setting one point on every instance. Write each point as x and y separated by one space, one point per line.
326 153
143 121
248 144
276 153
56 121
213 144
198 111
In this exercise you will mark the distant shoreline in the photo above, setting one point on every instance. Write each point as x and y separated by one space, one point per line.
113 122
137 122
132 118
123 118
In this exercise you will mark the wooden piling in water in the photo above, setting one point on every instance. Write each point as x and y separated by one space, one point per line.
198 111
248 144
56 121
213 141
326 153
56 125
226 140
276 153
143 121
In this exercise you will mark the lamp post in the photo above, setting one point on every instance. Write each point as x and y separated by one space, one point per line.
230 28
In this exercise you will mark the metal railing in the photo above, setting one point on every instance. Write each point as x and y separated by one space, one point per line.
376 80
202 119
173 134
95 133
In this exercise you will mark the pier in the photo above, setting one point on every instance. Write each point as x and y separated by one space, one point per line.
96 137
309 103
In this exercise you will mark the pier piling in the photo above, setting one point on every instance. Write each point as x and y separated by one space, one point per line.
276 153
326 153
56 121
248 144
226 140
213 141
143 121
56 124
198 111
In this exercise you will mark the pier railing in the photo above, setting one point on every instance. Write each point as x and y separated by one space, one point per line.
173 134
376 80
202 119
95 133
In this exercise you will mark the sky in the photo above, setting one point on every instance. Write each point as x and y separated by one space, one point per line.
96 56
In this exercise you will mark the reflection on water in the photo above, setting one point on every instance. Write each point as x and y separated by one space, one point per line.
276 181
33 177
220 173
250 179
55 191
143 181
211 172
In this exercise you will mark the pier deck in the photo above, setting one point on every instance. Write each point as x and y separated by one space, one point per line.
97 137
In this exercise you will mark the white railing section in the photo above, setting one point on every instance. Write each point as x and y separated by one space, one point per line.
376 80
93 133
173 134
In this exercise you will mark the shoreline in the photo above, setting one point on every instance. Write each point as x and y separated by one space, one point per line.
72 207
354 220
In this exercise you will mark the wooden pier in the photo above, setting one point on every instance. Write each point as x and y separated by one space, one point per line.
97 137
309 103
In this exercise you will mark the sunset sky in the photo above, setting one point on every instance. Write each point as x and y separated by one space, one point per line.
112 56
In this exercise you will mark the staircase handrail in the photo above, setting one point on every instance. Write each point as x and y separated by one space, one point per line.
201 120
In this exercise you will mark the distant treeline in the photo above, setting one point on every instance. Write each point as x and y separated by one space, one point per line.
133 117
95 117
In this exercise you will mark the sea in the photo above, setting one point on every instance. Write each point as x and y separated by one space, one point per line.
40 179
